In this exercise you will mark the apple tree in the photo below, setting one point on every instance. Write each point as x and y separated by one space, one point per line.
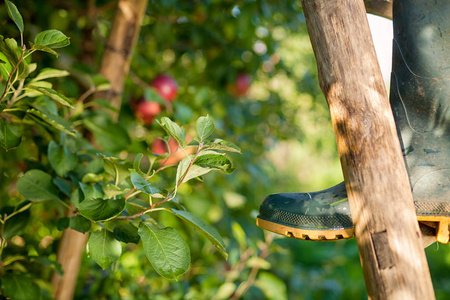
69 179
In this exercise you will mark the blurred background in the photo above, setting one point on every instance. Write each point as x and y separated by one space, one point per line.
249 65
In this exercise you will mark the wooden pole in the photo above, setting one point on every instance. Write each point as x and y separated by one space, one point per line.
382 8
388 235
115 66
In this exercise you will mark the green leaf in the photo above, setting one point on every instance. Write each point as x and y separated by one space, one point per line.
98 80
137 163
165 249
32 67
43 49
105 104
126 232
205 127
80 224
52 39
61 158
62 223
174 130
256 261
48 119
239 235
138 203
216 161
10 50
143 185
48 263
8 53
10 135
45 105
110 135
19 287
6 68
207 230
115 167
13 53
94 166
219 144
101 209
272 286
91 191
50 73
205 162
104 248
14 14
37 186
76 197
112 191
92 178
52 94
150 94
63 185
33 93
194 171
16 224
225 291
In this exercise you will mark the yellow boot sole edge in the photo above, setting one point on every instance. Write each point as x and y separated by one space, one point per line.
304 234
439 222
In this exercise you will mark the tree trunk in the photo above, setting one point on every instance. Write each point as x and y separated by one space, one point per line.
122 39
115 66
388 235
70 250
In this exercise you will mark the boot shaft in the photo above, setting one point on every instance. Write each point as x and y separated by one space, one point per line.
420 97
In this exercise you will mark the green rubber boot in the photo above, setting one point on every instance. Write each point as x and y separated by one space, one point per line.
420 100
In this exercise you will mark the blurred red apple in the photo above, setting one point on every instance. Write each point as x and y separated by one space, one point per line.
243 82
240 87
176 154
166 86
147 110
159 146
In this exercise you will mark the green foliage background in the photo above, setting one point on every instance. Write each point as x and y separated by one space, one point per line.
282 126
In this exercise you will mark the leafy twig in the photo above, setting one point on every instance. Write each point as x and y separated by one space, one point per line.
8 82
17 91
2 242
244 286
169 197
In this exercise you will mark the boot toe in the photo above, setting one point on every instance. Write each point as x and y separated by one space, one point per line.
303 211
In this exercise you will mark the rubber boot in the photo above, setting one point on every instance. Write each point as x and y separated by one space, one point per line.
420 101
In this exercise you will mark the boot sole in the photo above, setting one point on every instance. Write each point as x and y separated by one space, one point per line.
440 223
305 234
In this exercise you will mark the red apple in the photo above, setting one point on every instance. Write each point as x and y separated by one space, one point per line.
243 82
160 147
240 86
173 145
176 154
147 110
166 86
